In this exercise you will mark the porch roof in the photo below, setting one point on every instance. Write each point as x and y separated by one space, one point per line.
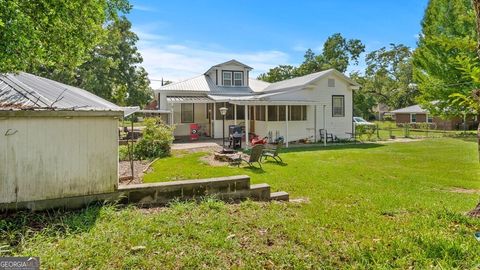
189 99
276 102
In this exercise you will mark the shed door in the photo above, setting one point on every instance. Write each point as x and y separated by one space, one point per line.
7 162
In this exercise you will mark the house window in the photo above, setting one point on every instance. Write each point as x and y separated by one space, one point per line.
338 106
331 82
413 118
232 78
429 119
227 78
281 113
272 113
241 112
297 113
238 78
260 113
187 112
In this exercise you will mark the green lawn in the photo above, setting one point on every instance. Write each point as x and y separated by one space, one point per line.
368 206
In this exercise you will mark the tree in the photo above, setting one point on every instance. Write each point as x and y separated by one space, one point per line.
389 76
52 33
113 71
337 53
446 45
280 73
363 102
473 101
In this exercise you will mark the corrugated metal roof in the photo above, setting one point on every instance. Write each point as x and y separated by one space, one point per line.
204 83
27 91
188 99
295 82
410 109
200 83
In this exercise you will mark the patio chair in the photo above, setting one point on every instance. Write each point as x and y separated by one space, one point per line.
329 135
255 156
273 153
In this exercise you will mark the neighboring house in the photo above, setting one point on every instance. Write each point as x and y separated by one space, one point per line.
294 109
380 110
57 141
416 114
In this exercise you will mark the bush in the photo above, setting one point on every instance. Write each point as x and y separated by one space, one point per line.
156 140
366 130
123 152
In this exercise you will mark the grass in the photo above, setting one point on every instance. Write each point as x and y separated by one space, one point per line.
368 206
399 132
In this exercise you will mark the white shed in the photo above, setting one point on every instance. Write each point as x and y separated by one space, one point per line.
56 141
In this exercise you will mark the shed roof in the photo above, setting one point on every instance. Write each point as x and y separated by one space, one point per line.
26 91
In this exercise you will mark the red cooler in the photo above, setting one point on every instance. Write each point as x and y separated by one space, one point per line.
194 132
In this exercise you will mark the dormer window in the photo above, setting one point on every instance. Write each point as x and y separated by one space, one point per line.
232 78
238 78
227 78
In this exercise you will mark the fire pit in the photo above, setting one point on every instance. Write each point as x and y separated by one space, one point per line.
226 155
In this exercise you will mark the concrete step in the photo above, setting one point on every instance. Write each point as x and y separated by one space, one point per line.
260 192
279 196
257 192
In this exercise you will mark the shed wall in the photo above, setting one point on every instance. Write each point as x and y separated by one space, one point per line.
51 157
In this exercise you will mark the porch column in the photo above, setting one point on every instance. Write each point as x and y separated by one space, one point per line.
214 119
235 114
286 126
266 121
171 118
315 122
247 143
324 126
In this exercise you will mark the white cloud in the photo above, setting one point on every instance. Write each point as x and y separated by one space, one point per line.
144 8
177 61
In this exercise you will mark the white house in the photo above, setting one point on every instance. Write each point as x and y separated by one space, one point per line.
294 109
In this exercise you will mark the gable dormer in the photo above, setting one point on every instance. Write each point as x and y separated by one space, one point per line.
230 74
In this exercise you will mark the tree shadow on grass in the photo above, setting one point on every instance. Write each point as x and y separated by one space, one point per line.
15 226
255 170
273 162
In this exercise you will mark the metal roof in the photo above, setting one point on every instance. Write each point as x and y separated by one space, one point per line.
204 83
26 91
304 80
188 99
410 109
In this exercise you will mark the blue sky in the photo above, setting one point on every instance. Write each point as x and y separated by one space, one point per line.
180 39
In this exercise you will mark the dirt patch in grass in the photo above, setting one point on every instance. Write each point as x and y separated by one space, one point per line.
464 190
139 169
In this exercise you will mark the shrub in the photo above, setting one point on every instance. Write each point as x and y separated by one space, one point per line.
388 117
366 130
156 140
123 152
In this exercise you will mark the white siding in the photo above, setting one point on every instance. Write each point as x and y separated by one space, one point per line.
55 157
320 92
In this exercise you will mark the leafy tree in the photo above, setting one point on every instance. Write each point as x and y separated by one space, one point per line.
363 102
446 48
389 76
280 73
337 53
113 71
52 33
